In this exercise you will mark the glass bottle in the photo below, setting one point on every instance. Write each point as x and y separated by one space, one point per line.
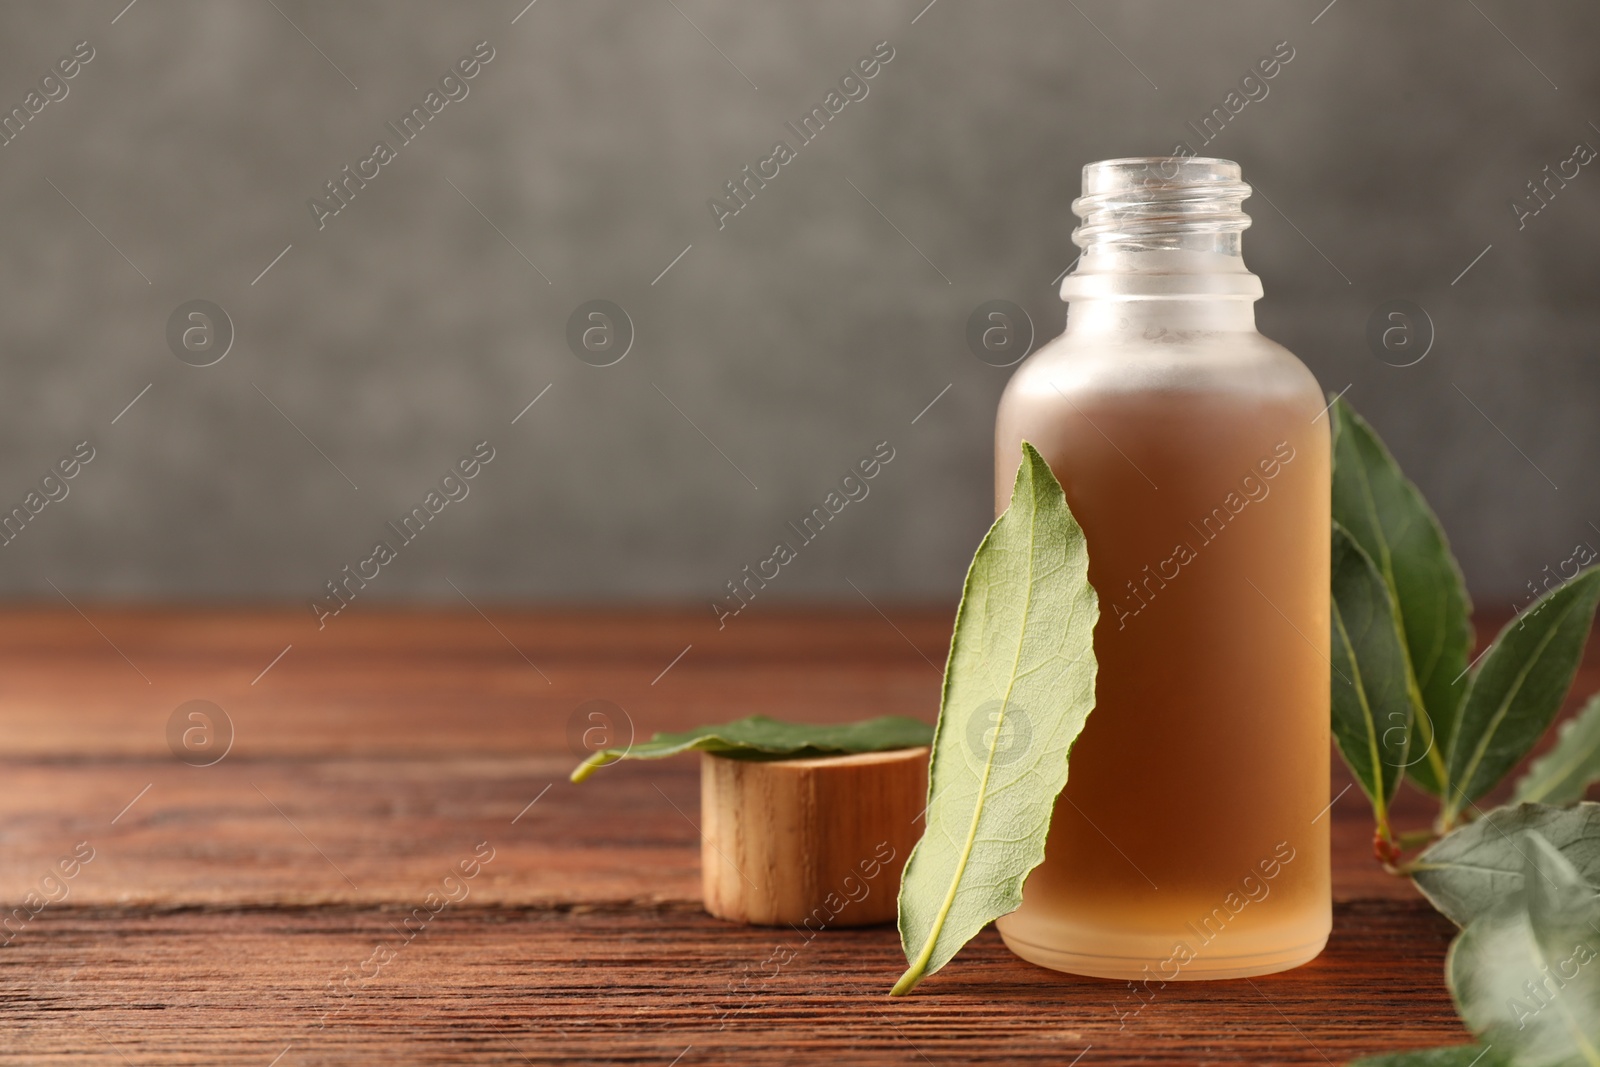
1191 840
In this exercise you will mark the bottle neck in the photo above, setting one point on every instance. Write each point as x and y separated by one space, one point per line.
1161 248
1136 291
1140 317
1161 204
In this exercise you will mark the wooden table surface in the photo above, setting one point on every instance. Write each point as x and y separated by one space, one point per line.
255 910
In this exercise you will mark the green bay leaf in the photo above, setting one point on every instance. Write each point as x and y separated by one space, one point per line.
1526 974
1370 681
1469 871
758 737
1565 773
1518 689
1018 687
1388 517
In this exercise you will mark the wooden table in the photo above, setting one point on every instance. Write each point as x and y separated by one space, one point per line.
265 909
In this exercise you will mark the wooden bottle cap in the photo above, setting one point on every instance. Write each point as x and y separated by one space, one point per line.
815 843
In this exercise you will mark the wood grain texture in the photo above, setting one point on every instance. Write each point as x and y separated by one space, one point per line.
639 985
227 908
804 842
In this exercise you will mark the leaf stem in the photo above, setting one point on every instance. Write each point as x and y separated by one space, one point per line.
1384 848
1410 839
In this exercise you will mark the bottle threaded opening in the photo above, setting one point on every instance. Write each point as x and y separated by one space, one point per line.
1155 203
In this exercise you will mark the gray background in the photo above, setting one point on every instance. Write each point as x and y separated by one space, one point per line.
795 339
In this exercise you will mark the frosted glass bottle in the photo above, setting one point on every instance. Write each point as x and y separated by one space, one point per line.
1191 840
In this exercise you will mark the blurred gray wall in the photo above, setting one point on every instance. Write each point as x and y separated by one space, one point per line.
777 351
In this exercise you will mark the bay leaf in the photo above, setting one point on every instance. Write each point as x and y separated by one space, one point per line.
1018 687
1565 773
1518 689
1370 681
1468 871
1388 517
1526 974
758 737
